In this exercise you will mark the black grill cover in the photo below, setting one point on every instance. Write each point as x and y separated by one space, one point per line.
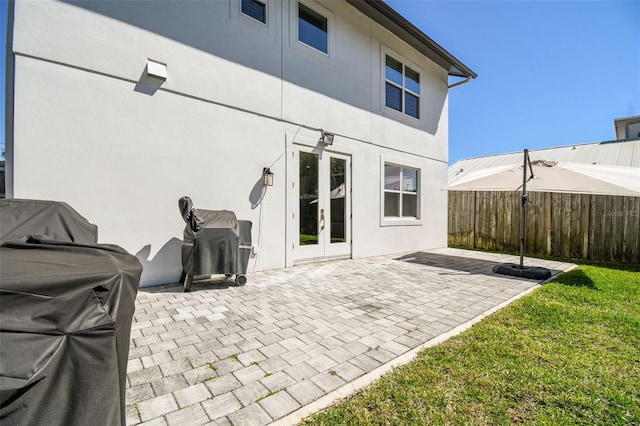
65 319
215 242
56 220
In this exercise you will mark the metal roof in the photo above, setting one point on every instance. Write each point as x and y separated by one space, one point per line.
384 15
615 153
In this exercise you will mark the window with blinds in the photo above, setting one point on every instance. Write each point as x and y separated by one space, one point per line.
313 28
402 87
400 191
256 9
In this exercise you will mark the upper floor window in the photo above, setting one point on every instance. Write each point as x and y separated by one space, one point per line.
402 87
400 191
256 9
313 28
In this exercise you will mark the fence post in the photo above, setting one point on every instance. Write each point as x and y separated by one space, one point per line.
548 221
586 209
475 222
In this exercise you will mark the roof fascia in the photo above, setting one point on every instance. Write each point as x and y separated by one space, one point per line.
384 15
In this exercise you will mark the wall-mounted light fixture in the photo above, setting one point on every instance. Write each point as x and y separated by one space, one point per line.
326 138
267 177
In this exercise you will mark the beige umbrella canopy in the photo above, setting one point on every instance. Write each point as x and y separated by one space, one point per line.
548 176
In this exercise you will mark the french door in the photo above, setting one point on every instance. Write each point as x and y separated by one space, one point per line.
322 213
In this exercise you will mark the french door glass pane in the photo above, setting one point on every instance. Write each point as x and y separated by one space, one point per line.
392 204
411 105
308 198
409 205
312 28
338 196
393 97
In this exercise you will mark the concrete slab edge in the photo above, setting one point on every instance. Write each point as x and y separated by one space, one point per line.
354 386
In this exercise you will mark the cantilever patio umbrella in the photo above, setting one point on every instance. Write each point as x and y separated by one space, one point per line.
548 176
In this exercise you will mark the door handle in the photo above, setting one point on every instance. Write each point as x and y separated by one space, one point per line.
322 219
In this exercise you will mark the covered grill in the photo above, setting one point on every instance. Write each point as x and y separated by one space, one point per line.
215 242
65 318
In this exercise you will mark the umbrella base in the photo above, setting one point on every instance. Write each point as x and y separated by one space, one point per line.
529 272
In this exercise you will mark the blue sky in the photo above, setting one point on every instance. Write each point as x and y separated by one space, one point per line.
550 73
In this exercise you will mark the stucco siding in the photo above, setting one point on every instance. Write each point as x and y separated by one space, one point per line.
89 128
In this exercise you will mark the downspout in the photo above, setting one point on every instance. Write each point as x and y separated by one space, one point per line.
9 156
460 83
475 193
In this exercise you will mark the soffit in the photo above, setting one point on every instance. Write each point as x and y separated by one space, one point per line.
384 15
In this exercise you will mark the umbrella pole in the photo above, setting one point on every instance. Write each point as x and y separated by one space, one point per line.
523 211
531 272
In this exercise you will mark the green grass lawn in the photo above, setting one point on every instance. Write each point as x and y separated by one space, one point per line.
306 239
567 354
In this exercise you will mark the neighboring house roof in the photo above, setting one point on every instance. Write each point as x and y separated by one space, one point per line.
624 127
384 15
614 153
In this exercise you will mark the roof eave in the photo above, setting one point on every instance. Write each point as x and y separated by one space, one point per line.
383 14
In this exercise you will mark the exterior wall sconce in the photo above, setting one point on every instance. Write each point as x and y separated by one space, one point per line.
267 177
326 138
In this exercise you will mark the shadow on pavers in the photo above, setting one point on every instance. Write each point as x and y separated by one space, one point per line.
463 265
204 282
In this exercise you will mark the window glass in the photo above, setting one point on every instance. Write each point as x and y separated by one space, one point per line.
412 80
402 87
392 177
409 205
391 204
394 70
400 191
308 199
411 105
338 198
394 97
256 9
312 28
410 180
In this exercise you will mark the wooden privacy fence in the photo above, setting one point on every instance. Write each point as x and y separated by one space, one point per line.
576 226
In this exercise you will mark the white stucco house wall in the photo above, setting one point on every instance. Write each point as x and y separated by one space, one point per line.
121 107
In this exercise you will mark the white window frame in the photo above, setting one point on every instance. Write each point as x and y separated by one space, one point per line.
302 47
266 12
272 11
391 112
401 221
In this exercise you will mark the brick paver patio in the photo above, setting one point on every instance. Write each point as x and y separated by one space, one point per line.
293 340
